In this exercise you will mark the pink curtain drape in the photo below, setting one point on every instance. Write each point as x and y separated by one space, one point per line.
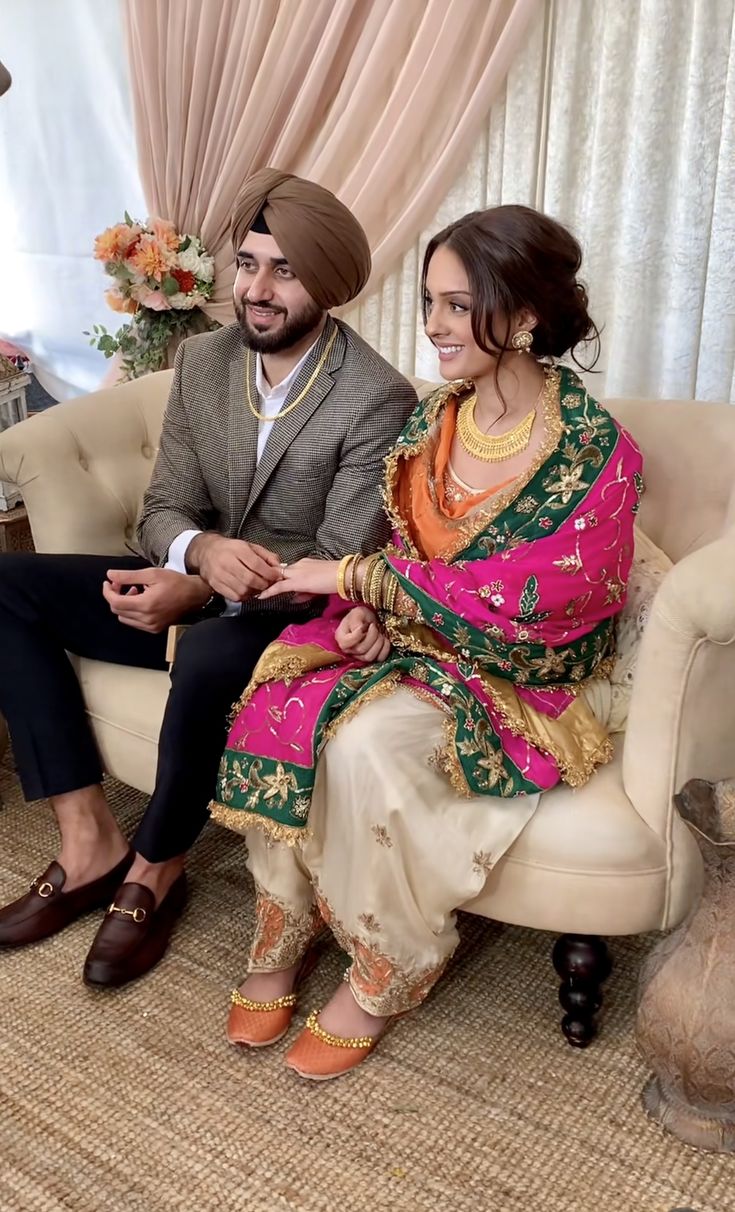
379 100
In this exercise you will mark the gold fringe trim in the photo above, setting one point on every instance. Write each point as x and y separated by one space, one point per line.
576 740
404 632
445 760
427 696
433 405
240 822
379 691
284 662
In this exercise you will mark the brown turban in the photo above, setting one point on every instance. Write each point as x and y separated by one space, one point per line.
324 243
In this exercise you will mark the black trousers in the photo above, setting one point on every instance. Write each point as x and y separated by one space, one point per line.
53 604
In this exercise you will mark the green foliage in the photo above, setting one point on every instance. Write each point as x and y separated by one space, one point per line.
143 342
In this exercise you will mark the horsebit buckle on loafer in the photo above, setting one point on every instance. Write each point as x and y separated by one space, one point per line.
138 915
45 889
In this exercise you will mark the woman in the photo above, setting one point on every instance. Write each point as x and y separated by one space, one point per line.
386 755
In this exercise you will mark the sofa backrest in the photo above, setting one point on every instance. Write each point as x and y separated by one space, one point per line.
83 466
688 449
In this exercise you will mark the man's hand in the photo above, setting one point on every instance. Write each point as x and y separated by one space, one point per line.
234 568
163 598
361 637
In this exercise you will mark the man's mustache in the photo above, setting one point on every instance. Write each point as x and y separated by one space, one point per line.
265 306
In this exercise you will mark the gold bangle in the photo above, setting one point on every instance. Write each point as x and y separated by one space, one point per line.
350 578
391 593
341 571
377 572
366 566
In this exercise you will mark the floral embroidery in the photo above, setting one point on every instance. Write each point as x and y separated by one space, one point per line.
615 590
370 923
568 481
382 836
569 563
281 934
482 862
301 807
383 984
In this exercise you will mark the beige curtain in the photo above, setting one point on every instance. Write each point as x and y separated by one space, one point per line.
379 100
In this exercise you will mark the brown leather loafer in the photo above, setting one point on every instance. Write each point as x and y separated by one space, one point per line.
134 935
46 909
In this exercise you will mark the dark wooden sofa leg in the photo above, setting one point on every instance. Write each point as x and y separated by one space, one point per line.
583 962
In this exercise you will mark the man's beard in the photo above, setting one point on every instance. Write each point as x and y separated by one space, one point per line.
294 328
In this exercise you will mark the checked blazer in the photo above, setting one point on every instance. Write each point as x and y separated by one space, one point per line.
316 489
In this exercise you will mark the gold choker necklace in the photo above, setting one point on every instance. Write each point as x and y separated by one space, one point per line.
294 403
485 446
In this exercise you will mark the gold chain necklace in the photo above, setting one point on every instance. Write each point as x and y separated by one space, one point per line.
294 403
485 446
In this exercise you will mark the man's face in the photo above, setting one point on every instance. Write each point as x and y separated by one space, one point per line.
272 307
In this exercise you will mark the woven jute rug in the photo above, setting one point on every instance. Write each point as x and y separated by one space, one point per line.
132 1101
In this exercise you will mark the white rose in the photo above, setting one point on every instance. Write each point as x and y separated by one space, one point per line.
189 259
206 268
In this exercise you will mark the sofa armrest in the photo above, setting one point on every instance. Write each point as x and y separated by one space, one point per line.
681 723
83 466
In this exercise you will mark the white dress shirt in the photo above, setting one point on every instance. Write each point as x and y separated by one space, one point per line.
271 401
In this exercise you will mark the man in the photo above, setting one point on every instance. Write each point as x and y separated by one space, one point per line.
267 454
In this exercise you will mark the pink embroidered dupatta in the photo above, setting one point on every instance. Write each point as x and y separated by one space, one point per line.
500 634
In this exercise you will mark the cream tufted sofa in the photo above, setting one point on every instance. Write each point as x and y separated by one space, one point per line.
611 858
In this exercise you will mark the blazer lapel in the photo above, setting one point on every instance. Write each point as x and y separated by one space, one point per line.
242 444
285 428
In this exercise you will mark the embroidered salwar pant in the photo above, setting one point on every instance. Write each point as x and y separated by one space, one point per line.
393 852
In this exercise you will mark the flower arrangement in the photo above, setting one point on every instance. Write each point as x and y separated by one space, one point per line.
161 279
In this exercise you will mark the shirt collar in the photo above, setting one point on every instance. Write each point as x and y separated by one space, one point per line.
262 385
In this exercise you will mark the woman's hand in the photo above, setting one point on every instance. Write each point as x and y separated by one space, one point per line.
359 635
315 577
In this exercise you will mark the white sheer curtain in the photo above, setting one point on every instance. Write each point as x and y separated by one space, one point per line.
619 119
67 170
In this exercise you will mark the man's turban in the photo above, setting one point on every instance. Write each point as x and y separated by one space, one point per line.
322 240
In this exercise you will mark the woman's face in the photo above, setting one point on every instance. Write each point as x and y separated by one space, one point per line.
448 319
